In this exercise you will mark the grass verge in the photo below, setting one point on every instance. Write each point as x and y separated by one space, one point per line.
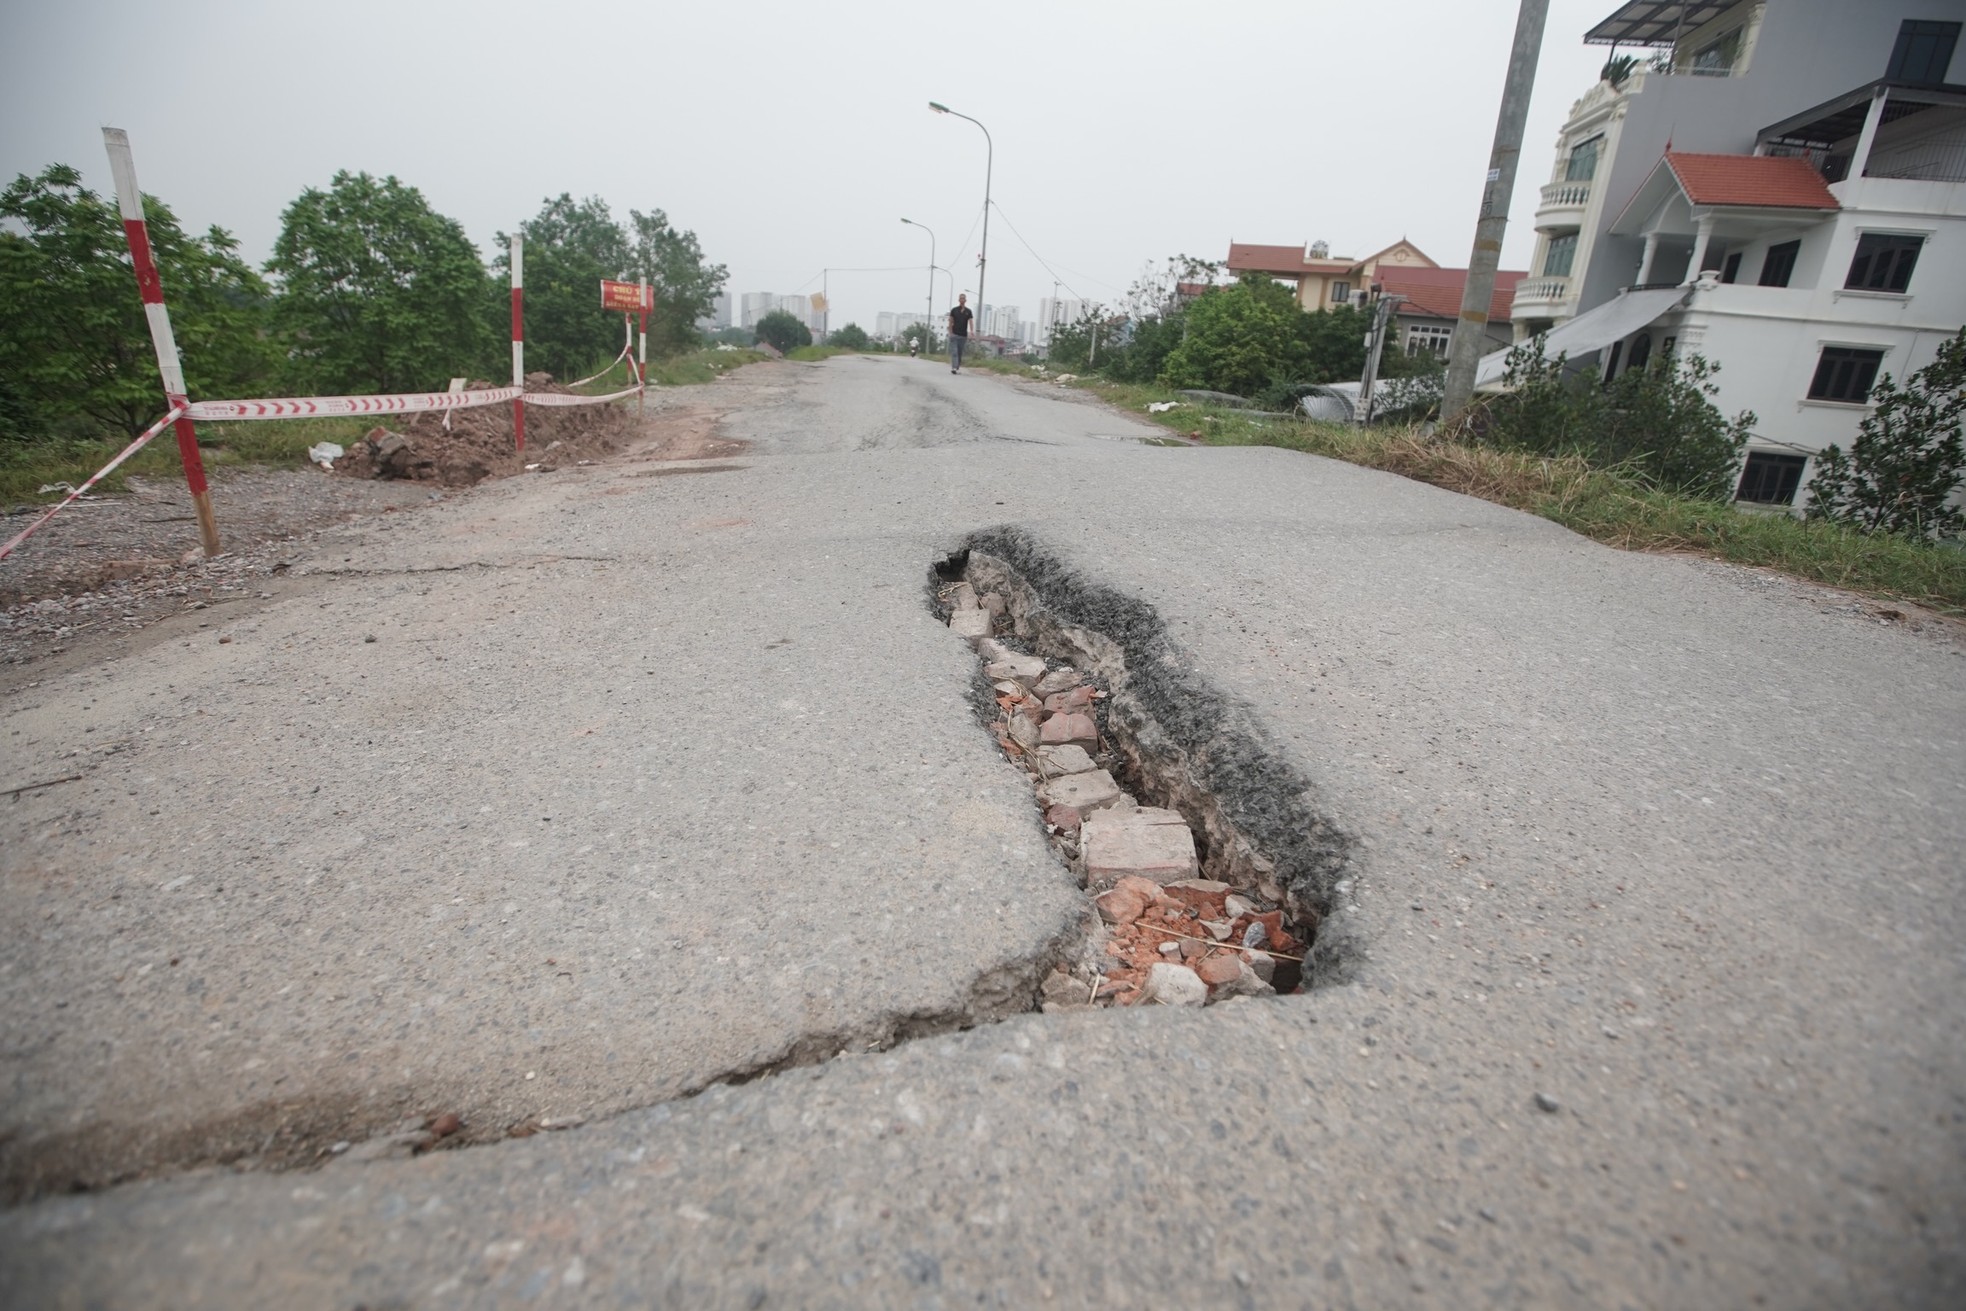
1598 503
699 366
25 470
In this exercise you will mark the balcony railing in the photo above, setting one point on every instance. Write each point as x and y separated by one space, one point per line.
1938 158
1543 291
1566 195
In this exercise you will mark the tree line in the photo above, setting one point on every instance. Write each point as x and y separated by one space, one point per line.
368 290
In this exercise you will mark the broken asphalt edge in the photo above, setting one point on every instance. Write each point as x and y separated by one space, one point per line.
1210 749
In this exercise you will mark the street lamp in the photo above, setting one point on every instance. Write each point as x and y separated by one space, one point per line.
989 163
928 324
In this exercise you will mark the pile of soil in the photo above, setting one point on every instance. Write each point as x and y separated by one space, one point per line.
478 442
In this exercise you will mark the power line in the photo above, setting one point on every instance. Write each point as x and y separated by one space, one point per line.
1054 271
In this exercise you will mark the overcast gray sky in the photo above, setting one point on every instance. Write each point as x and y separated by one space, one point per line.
794 136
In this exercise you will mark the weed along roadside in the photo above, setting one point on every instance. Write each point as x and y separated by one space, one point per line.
1598 503
1208 869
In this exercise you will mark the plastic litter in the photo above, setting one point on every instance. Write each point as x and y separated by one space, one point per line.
325 453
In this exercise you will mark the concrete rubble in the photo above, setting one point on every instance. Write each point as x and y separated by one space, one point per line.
1164 934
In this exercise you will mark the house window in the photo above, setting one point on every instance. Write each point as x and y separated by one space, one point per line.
1583 160
1563 250
1431 338
1779 264
1845 373
1340 292
1923 52
1731 270
1771 479
1716 58
1884 262
1641 351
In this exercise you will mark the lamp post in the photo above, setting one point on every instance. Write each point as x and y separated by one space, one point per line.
989 164
928 324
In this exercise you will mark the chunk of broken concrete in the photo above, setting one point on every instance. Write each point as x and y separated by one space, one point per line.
1246 983
1174 985
1071 730
1020 669
1082 792
1123 845
970 625
963 597
1066 760
1058 680
1061 991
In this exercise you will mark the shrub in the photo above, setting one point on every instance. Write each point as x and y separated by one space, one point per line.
1908 458
783 331
1657 423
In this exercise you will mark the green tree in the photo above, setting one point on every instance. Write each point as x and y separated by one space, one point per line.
75 349
852 337
1240 339
916 332
1900 474
685 286
377 291
1069 345
569 247
780 329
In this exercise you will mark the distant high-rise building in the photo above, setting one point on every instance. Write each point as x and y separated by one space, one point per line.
1055 313
719 316
998 321
754 306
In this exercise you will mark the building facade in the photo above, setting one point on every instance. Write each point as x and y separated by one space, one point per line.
1705 76
1782 191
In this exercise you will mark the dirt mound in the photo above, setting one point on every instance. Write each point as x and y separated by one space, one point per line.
478 444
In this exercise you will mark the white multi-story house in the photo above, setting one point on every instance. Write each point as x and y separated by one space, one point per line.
1707 76
1783 193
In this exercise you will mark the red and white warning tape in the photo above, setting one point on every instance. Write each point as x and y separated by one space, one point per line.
625 348
320 407
99 475
563 398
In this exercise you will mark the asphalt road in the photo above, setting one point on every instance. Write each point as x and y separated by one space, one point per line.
650 780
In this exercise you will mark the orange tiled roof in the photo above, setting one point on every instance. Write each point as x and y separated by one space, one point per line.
1764 181
1436 293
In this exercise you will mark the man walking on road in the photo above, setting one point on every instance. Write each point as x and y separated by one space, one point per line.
959 318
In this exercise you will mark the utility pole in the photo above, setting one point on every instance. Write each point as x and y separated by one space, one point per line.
1471 331
1375 342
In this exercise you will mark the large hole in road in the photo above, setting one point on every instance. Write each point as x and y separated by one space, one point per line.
1211 870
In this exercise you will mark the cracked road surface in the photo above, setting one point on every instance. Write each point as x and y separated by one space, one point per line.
649 782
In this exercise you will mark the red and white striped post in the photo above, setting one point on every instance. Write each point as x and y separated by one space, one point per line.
642 373
136 231
518 340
